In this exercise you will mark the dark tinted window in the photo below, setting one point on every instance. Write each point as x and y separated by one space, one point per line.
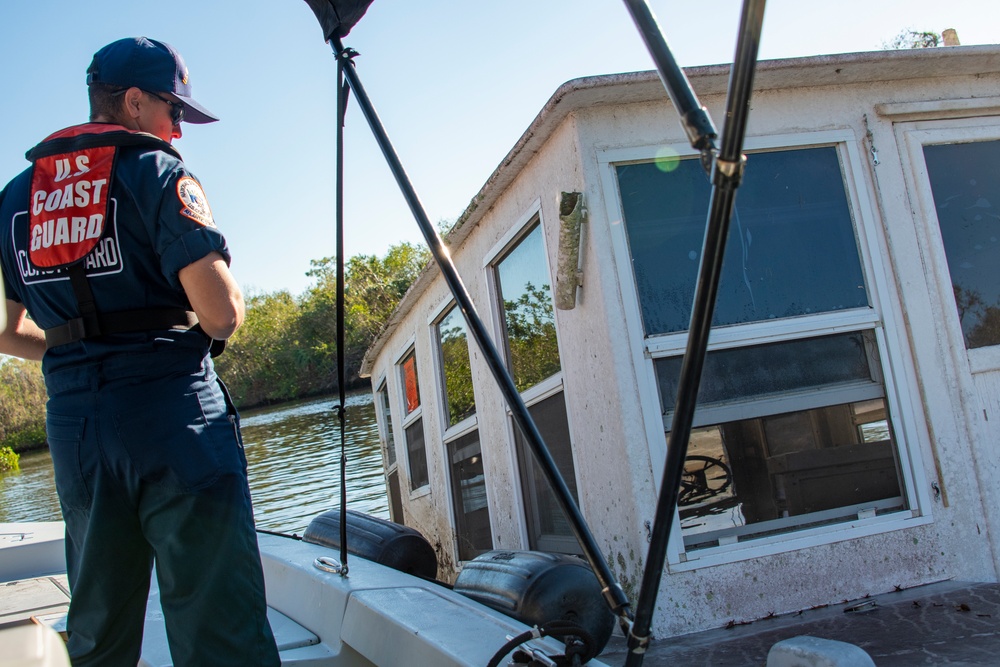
791 248
965 181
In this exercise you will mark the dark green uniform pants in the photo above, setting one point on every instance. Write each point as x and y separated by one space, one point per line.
150 472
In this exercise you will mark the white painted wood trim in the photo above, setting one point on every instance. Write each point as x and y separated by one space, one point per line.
939 109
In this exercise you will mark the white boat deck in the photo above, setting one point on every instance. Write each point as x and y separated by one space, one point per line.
375 616
44 598
378 616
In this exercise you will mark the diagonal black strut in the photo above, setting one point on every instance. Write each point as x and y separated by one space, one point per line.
612 591
726 172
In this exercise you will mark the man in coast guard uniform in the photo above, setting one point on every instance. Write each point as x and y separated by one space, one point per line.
118 280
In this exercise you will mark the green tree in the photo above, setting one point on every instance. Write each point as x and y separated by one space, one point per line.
531 335
263 360
913 39
22 404
457 370
287 347
373 288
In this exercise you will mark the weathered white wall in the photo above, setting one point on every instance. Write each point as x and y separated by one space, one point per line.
954 423
944 397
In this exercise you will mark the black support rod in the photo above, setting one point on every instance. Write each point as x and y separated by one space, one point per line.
612 592
342 93
695 120
727 172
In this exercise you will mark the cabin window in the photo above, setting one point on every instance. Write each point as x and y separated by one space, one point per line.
549 529
791 249
524 293
965 184
384 419
411 388
468 486
464 453
456 372
385 424
804 456
793 429
413 423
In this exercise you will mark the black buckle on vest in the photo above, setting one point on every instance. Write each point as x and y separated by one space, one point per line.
76 328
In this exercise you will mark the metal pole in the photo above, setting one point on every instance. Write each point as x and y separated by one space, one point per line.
342 92
613 593
727 173
695 120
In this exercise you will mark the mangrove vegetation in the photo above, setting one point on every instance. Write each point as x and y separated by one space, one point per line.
285 350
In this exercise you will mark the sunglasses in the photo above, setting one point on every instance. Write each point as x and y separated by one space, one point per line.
176 108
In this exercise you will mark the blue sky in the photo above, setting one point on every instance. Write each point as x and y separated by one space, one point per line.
455 83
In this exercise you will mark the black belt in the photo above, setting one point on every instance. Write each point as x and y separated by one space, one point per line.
129 321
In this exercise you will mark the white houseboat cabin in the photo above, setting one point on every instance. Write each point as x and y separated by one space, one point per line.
846 440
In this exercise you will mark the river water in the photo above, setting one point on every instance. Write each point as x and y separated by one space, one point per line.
293 452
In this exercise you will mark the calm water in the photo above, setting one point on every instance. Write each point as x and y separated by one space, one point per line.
294 457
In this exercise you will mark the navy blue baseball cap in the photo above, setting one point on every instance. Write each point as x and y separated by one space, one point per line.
150 65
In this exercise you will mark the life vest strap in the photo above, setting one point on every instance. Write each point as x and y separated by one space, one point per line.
128 321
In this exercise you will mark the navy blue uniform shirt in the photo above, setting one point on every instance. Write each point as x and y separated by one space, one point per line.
158 224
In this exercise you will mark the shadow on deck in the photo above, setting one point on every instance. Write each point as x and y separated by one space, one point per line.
949 623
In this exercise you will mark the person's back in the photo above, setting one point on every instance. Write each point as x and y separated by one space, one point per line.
135 263
109 247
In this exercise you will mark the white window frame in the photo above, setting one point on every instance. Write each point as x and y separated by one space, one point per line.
912 136
550 385
386 431
409 419
450 433
879 317
384 427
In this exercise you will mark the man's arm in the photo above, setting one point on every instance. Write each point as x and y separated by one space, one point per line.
22 337
214 295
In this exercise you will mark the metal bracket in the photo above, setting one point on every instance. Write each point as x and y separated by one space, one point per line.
729 171
328 564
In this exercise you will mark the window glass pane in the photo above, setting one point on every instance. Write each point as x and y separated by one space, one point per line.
410 386
416 455
767 475
547 525
456 369
525 291
382 405
965 181
395 499
747 373
468 487
791 248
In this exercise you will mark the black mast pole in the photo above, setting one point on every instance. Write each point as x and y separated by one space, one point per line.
612 591
727 172
342 93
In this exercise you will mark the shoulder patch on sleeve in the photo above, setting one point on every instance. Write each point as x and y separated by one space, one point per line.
194 204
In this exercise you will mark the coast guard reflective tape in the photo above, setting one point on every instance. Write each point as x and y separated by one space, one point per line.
69 205
105 259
